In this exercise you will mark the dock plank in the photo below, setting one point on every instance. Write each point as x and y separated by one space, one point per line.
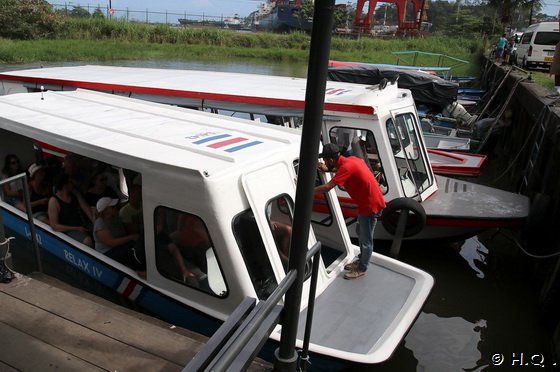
31 354
71 329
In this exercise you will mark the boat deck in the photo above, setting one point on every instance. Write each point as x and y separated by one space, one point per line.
363 293
378 305
44 327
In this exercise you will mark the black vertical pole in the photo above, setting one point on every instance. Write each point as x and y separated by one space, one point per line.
286 355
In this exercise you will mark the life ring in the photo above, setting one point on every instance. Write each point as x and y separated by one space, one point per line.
416 219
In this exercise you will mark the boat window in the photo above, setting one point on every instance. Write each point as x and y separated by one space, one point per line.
254 254
185 253
279 213
406 145
321 213
360 143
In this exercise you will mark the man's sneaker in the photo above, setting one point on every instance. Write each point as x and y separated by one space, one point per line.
352 266
354 274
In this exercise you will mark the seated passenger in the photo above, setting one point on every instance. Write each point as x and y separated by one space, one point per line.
190 274
188 245
131 212
98 188
67 209
110 235
40 191
78 168
12 191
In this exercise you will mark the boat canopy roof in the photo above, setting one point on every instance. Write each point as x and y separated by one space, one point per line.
426 88
134 130
234 88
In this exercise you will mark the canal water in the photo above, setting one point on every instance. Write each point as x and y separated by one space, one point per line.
482 314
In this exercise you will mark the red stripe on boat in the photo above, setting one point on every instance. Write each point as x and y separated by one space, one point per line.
217 145
129 288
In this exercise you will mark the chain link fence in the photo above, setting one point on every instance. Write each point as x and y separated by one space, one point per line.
146 15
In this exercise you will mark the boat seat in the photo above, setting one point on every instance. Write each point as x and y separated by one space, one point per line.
359 152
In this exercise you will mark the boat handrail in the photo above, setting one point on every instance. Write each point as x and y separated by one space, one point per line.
253 324
441 59
27 203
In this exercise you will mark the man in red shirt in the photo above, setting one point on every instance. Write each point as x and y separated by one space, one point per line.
353 174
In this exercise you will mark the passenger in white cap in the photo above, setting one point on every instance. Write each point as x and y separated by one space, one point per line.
110 235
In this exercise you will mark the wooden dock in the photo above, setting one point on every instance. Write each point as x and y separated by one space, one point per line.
46 325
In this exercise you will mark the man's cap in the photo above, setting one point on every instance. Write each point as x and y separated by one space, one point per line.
330 150
105 202
33 168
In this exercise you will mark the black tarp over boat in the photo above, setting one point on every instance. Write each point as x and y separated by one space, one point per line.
426 88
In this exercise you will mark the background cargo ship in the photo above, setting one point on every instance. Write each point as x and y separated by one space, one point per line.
280 15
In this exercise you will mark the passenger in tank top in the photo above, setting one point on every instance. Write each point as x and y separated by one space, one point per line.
67 209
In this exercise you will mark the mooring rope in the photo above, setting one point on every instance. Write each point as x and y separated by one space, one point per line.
7 243
520 246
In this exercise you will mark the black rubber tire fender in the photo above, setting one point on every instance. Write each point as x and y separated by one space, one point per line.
416 219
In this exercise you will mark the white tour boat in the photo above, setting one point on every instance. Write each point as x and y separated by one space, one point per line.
223 180
383 116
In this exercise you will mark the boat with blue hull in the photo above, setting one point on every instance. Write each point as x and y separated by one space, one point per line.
228 182
64 253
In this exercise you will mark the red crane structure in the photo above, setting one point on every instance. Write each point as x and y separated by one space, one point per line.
363 24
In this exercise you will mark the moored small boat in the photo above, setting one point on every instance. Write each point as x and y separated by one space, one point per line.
384 115
456 163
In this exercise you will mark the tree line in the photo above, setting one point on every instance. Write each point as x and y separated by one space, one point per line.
34 19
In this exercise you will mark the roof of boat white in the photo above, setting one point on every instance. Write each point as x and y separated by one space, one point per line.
279 91
136 129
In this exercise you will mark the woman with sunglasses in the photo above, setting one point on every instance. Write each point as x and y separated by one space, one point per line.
12 191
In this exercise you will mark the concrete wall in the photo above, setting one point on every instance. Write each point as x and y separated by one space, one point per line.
532 136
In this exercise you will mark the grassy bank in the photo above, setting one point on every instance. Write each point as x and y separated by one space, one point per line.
90 40
103 40
375 51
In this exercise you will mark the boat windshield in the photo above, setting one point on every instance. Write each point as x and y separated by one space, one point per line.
406 145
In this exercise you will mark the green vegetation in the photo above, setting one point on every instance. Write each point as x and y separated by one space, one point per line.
543 78
27 19
99 39
33 32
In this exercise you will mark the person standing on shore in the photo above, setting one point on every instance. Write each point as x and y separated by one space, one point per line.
500 47
353 174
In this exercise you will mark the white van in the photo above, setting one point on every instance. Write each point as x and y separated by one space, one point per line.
537 45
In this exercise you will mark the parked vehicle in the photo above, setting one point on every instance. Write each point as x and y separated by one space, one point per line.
537 45
516 39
